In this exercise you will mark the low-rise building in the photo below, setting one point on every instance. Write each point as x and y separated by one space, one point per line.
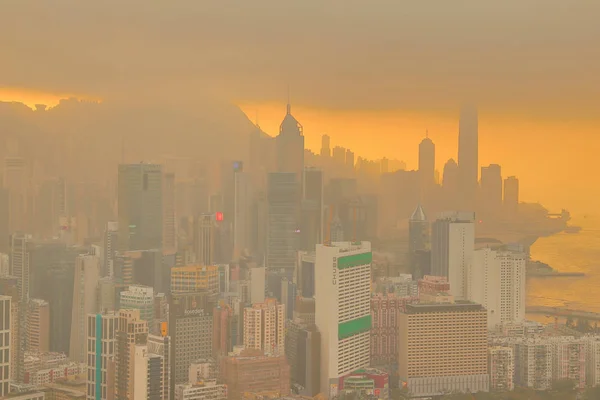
204 390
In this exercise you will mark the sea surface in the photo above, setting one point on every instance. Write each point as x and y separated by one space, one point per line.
579 252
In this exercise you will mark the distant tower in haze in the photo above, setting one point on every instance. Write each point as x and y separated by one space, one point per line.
325 146
350 160
169 218
427 163
418 231
450 183
511 195
491 190
468 163
140 202
418 241
290 146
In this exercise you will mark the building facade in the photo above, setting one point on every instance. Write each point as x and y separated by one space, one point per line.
443 348
101 336
5 344
85 301
140 206
343 309
264 327
452 246
501 365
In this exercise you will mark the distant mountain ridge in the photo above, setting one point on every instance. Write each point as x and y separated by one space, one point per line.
89 136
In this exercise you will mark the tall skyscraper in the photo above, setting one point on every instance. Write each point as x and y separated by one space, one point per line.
111 243
511 196
190 329
5 344
325 146
350 161
160 346
290 146
343 310
452 246
8 288
484 283
450 183
4 221
443 348
283 232
257 277
468 157
169 241
490 199
38 326
418 238
426 164
17 183
204 238
264 327
241 210
101 337
140 202
131 331
85 297
311 226
20 264
512 286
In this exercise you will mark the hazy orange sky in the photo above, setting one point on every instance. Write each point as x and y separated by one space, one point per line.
373 75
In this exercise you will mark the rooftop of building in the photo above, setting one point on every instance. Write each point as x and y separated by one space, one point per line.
458 305
194 268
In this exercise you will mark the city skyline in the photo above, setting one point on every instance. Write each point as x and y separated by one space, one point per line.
299 200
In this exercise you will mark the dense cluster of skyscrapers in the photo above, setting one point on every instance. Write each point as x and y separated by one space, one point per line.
263 278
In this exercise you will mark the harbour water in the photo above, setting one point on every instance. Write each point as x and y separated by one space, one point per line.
578 252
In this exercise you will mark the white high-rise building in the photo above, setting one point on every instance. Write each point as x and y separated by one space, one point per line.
452 247
343 313
5 335
592 368
264 327
85 299
161 346
102 340
484 283
148 374
512 286
111 244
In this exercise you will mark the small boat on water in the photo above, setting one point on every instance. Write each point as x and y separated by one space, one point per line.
572 229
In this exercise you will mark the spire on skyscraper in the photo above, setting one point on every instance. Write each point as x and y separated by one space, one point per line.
290 125
418 214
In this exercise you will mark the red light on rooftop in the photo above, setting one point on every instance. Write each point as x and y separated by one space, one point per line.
219 216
